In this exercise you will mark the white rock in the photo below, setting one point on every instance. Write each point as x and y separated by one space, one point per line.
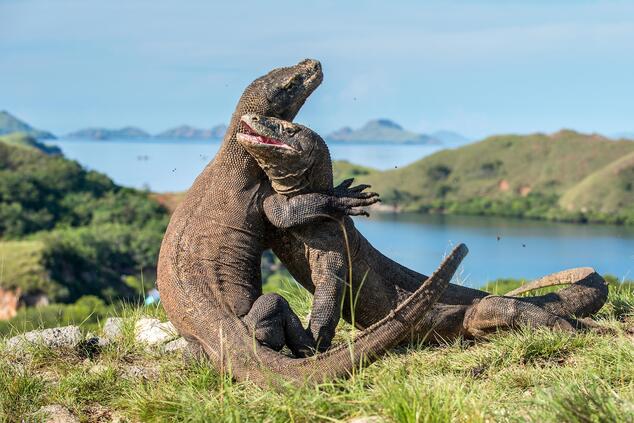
189 350
140 372
177 345
56 414
62 337
154 332
113 328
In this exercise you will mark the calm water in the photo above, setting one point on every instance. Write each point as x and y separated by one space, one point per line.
165 166
525 248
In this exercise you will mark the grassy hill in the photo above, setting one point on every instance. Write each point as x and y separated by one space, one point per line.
10 124
22 266
608 190
23 140
565 175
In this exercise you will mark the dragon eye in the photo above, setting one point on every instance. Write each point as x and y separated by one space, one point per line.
292 83
290 130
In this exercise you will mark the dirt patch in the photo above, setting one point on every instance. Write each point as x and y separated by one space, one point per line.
524 190
9 302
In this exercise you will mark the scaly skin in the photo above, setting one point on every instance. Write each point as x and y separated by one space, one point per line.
209 264
316 254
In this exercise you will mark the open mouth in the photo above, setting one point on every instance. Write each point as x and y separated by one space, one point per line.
252 136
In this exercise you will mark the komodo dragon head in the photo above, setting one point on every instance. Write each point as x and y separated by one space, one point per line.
294 157
282 91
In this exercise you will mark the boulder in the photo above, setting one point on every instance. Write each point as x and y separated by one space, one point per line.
154 332
113 328
62 337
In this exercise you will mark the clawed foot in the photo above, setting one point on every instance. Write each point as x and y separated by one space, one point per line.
346 198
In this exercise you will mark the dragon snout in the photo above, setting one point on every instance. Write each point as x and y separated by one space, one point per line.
311 64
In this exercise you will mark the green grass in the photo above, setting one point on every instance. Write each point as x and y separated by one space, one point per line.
539 376
607 190
343 169
22 265
26 141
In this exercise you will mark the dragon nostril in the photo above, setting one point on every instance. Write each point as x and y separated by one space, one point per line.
255 118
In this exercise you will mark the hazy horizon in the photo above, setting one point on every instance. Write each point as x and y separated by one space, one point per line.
477 68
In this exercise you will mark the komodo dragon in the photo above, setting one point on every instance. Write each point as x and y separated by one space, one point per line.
209 263
297 161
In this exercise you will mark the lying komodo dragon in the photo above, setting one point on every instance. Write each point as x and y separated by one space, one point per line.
297 161
209 264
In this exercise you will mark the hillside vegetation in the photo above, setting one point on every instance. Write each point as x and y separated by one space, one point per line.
566 176
608 190
24 140
66 232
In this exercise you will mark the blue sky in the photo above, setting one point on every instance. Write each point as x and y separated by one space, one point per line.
477 67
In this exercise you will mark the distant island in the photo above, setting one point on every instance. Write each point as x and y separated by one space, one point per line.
10 124
128 132
187 132
387 131
450 138
375 131
183 132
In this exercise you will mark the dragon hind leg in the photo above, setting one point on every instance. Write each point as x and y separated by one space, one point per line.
274 324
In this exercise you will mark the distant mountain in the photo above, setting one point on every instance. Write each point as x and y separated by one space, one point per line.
450 138
189 132
381 130
10 124
22 140
129 132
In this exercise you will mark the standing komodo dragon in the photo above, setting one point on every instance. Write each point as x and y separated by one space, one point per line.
297 162
209 264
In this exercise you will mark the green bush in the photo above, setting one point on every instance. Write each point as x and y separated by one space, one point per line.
93 260
40 192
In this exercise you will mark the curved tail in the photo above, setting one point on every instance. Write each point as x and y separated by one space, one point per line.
586 295
233 349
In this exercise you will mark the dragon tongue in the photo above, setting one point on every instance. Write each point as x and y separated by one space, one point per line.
249 134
